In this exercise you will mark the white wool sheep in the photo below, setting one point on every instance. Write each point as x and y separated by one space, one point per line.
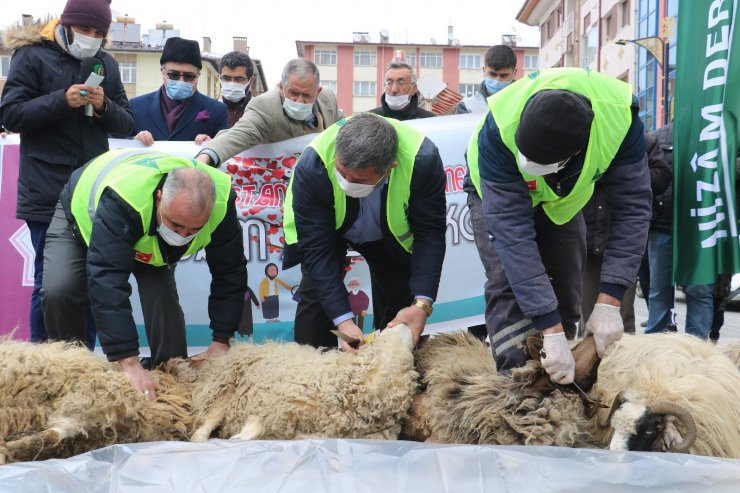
465 400
287 391
731 350
58 400
660 377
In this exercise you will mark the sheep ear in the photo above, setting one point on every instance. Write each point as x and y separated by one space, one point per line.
534 345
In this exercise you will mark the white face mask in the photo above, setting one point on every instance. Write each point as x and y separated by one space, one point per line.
536 169
298 111
356 190
397 103
172 238
84 46
233 91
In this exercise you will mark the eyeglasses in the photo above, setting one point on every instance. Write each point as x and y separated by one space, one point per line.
398 83
239 80
186 76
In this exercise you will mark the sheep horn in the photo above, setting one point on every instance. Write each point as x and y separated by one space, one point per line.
618 401
683 415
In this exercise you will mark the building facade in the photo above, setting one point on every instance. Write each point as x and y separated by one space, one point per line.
585 33
355 71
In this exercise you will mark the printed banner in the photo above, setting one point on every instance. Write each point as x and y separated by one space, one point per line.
260 177
706 141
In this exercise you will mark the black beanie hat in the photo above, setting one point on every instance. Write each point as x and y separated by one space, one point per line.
555 124
180 50
92 13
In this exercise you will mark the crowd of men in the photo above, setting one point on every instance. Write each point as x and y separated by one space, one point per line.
548 151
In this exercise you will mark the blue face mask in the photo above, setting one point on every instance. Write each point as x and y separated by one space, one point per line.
179 90
493 86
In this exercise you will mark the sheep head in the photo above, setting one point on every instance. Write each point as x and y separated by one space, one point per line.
638 427
398 334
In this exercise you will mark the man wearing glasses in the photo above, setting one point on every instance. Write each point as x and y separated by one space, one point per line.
534 159
177 111
236 73
401 97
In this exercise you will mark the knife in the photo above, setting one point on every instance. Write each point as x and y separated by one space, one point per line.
353 342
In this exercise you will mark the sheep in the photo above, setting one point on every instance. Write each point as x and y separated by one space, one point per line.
59 400
671 392
731 350
289 391
465 400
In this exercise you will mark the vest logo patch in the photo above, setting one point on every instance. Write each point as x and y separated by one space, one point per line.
143 257
532 185
147 162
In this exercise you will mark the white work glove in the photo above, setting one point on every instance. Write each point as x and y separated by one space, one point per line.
606 324
558 360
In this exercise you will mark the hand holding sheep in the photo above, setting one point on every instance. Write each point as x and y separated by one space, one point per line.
557 358
415 318
606 324
351 329
140 378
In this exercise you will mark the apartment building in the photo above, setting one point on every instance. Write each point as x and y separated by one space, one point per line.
584 33
355 70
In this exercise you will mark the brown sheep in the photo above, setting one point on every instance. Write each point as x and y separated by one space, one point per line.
59 400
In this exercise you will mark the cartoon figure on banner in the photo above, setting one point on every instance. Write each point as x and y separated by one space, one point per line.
269 293
246 324
359 301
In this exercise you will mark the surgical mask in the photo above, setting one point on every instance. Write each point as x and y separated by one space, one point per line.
178 90
233 91
298 111
536 169
493 86
397 103
84 46
356 190
172 238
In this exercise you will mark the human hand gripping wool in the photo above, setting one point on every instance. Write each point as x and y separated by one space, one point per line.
606 324
557 359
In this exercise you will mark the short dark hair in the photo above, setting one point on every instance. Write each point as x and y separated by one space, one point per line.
235 59
500 56
367 141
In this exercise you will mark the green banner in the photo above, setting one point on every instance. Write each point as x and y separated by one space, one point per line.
705 240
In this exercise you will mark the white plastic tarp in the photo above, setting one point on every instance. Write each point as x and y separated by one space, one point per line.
348 466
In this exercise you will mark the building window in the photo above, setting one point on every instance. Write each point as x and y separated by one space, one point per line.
365 58
468 90
647 66
470 61
4 66
531 62
364 88
590 47
411 59
329 84
325 57
430 60
624 7
128 72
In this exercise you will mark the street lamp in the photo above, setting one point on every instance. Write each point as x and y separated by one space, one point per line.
659 49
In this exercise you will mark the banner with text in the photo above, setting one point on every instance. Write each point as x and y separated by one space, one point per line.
260 177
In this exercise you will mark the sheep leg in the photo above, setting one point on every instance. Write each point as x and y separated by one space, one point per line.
4 453
211 421
29 447
252 429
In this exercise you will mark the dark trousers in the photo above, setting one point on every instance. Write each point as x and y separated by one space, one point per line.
563 253
65 299
36 320
389 280
591 283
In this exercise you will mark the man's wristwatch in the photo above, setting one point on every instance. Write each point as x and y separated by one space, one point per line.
424 305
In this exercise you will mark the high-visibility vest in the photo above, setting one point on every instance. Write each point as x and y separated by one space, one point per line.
611 102
134 175
399 184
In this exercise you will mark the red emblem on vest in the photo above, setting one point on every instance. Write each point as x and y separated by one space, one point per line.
143 257
532 185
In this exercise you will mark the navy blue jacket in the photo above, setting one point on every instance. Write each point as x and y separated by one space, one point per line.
508 209
320 243
203 115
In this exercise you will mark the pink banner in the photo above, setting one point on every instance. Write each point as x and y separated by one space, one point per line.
16 252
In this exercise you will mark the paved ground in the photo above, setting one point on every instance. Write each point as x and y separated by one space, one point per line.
730 330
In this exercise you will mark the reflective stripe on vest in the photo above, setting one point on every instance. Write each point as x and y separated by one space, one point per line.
399 184
134 175
611 102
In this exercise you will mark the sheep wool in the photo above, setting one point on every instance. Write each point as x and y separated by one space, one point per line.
289 391
59 400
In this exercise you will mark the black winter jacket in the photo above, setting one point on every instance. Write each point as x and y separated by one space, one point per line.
55 139
663 203
320 243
